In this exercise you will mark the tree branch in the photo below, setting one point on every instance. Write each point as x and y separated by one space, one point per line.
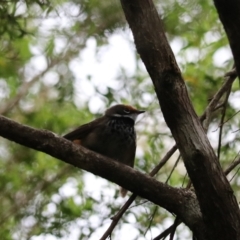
217 201
229 14
124 208
229 79
179 201
232 166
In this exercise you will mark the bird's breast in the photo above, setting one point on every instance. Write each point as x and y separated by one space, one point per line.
120 130
114 140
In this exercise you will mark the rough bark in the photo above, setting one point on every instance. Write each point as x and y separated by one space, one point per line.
229 14
182 202
216 198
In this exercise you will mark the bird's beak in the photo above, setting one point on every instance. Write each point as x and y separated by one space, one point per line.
140 111
135 114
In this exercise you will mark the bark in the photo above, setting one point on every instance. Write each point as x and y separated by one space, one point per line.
182 202
217 201
229 14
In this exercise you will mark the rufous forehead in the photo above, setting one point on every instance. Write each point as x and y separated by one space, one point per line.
130 108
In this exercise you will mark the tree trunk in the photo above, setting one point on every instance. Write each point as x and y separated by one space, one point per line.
216 199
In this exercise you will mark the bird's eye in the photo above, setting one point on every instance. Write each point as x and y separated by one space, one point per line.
126 111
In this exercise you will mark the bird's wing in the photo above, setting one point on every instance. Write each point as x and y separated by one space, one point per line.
128 160
130 155
82 131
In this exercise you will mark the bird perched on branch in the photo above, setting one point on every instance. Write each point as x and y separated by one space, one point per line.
112 135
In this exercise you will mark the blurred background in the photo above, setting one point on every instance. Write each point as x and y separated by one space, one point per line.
62 63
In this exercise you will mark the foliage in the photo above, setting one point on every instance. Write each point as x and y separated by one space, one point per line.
44 83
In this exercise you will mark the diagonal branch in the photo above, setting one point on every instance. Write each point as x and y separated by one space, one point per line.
232 166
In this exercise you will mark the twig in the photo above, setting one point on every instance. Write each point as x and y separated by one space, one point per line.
234 174
117 217
177 218
124 208
166 232
175 165
175 225
184 179
222 121
163 161
155 210
151 220
232 166
231 117
229 79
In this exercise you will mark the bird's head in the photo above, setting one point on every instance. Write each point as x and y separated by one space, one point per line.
123 111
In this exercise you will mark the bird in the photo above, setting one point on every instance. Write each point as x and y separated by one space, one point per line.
112 135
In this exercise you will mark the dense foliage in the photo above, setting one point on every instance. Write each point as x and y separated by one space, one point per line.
61 64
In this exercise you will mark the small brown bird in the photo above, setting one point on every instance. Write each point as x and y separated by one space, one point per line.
112 135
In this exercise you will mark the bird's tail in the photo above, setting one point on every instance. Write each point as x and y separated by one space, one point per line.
123 192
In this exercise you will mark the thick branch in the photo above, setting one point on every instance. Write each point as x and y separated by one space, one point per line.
179 201
217 201
229 14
